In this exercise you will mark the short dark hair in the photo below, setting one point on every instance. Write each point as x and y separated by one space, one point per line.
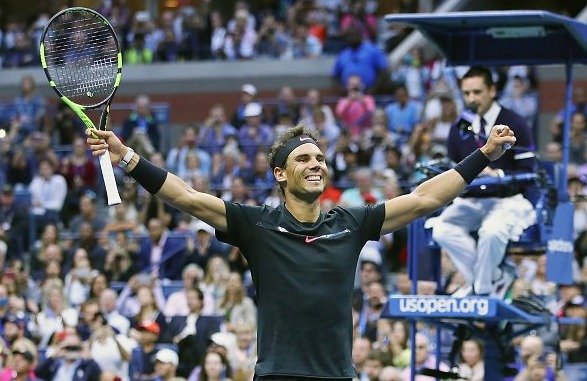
298 130
480 71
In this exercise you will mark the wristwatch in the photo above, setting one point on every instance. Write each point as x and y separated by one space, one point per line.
125 161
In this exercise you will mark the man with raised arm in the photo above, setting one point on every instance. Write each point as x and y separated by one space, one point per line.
302 260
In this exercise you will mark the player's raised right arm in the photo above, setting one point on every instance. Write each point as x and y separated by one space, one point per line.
165 185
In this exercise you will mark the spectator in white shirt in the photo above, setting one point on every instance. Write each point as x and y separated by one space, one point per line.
48 191
113 317
240 41
110 353
176 304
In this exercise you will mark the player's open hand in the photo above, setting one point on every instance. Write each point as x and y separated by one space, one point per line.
500 138
101 141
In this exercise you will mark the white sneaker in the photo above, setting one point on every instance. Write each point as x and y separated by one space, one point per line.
463 291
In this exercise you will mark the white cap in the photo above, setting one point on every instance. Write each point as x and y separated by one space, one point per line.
249 89
167 356
225 339
253 109
370 253
142 16
201 225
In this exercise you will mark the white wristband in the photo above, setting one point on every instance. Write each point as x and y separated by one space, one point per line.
127 158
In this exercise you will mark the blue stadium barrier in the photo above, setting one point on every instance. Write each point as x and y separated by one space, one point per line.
168 287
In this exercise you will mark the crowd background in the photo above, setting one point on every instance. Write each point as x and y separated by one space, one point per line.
141 291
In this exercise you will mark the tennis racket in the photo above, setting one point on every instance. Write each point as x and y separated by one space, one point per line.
83 63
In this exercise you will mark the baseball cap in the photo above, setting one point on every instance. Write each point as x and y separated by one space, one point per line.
150 326
202 226
249 89
370 253
167 356
224 339
12 318
253 109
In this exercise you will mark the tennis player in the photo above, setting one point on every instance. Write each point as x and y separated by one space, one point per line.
302 260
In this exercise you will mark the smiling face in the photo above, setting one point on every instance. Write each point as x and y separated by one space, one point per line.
305 173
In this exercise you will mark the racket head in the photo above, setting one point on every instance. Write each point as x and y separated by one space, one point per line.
81 57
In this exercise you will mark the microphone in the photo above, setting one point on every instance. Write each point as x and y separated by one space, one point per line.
465 124
465 121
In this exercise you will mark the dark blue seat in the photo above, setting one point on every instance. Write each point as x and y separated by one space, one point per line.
22 198
542 195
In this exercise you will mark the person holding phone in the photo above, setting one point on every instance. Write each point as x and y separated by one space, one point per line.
355 110
70 361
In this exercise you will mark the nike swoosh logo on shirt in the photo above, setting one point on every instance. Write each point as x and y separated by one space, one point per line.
327 236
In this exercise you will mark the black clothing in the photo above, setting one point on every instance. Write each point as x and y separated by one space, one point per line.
14 223
288 378
303 275
192 348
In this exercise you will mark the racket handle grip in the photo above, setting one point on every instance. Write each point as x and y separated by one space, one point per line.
109 180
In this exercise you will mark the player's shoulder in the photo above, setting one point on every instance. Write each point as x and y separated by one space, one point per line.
356 213
249 209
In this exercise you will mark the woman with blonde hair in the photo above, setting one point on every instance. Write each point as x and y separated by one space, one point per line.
149 307
214 285
236 306
245 354
54 316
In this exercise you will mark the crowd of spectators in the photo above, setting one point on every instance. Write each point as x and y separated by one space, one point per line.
140 291
289 29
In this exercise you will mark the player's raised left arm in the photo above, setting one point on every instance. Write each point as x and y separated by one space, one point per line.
442 189
165 185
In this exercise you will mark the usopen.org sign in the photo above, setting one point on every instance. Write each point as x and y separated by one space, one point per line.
441 306
560 245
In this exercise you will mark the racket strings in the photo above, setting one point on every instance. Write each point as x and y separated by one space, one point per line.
82 58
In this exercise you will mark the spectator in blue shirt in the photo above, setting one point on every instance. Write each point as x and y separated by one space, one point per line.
402 114
141 130
28 110
359 58
254 136
261 178
305 45
248 94
176 159
216 130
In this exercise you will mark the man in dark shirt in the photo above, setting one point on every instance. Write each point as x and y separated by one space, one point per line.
497 214
13 223
302 260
